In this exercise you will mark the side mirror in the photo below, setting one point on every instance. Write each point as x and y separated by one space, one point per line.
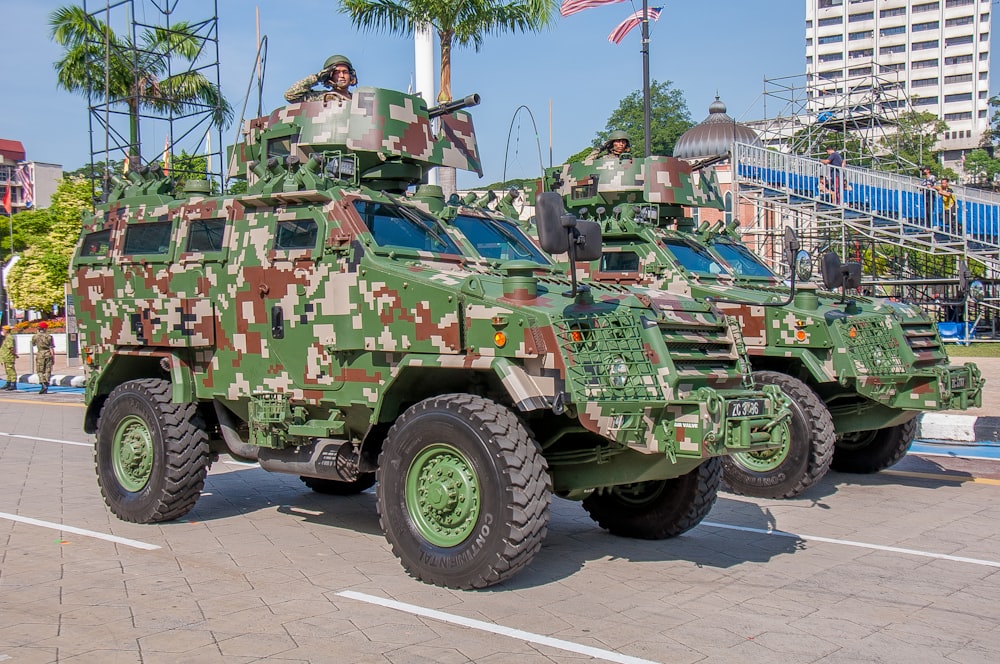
589 243
790 244
803 265
833 278
852 275
977 291
552 236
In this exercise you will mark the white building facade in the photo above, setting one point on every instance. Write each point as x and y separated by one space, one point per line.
938 51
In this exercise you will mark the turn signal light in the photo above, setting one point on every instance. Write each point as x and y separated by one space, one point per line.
800 335
500 339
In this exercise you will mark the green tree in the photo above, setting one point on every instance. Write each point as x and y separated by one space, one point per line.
457 23
914 143
981 169
38 280
669 118
137 72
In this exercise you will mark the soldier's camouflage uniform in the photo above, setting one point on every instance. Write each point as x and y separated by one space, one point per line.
7 357
302 91
44 344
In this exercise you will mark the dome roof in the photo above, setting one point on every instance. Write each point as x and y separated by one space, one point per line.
714 135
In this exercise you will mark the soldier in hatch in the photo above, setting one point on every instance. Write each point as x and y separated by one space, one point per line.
617 145
338 76
44 344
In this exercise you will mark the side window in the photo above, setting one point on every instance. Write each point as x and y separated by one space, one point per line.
296 234
205 235
148 238
96 245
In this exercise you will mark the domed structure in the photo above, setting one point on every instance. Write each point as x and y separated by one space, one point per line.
714 135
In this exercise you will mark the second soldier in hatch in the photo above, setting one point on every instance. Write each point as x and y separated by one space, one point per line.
617 145
338 76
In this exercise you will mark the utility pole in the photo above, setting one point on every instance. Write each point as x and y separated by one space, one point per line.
647 144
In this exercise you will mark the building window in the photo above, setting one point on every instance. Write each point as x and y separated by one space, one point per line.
924 64
833 20
984 75
831 57
982 114
961 20
984 18
894 30
896 11
823 4
984 56
830 39
729 207
889 50
984 37
924 101
924 45
923 82
860 71
899 66
958 41
809 25
864 34
835 73
964 96
925 7
921 27
958 78
862 53
863 16
982 94
959 3
957 60
951 117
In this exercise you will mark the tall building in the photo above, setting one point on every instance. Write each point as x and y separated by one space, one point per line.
31 183
937 52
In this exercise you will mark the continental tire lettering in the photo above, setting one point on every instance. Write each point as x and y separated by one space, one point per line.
460 559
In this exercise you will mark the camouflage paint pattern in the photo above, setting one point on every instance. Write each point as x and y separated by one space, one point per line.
323 302
875 362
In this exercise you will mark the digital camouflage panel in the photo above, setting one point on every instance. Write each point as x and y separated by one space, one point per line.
858 371
327 324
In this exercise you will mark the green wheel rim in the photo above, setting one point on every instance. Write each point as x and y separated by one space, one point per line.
132 453
856 440
442 495
763 460
640 493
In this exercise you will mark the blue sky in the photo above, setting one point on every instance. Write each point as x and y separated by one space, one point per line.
729 46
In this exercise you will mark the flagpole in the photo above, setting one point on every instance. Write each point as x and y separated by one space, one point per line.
645 78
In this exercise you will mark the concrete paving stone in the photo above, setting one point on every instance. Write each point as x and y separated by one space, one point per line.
95 615
973 655
75 640
104 657
796 642
253 644
329 625
541 655
665 650
258 620
751 652
21 632
706 632
205 655
31 655
176 641
426 655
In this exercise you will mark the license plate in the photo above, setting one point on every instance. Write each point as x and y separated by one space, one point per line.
745 408
958 381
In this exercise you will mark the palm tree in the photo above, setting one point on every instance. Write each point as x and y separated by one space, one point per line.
458 22
136 72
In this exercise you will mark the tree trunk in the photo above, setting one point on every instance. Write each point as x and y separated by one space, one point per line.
447 177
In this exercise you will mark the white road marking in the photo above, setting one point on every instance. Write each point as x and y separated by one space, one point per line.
79 531
598 653
46 440
862 545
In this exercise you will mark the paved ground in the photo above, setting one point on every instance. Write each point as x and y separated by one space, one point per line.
903 566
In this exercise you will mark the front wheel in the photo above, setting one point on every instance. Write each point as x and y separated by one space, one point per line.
463 492
151 455
805 457
657 509
872 451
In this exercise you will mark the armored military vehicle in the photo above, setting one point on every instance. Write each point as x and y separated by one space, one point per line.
325 324
858 370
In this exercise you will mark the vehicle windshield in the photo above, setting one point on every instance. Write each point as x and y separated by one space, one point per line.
741 260
694 258
395 226
498 239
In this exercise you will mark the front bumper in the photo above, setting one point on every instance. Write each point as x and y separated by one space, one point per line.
933 388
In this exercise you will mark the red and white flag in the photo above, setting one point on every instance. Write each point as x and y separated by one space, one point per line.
6 200
573 6
618 34
23 176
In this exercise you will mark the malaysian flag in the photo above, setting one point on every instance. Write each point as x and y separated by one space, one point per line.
573 6
618 34
23 175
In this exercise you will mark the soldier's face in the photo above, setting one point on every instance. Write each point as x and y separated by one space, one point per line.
618 146
341 77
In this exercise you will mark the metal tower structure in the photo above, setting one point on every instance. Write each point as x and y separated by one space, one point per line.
142 58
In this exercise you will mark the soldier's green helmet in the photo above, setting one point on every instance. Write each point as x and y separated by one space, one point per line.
338 59
619 135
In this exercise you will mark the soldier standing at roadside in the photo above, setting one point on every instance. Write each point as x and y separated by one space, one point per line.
44 344
7 356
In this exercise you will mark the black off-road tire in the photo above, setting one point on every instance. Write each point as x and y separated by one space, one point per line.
807 456
658 509
170 436
486 446
872 451
338 488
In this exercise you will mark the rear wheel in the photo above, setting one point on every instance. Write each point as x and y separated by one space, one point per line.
805 457
151 455
657 509
872 451
463 492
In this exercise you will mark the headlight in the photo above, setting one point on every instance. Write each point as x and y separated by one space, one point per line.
617 372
